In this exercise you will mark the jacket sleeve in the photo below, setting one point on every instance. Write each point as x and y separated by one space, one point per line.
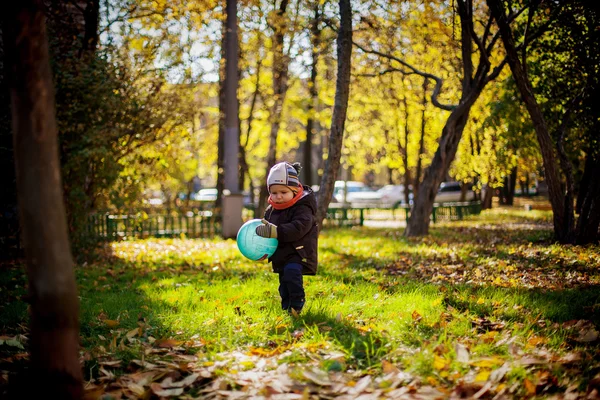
301 222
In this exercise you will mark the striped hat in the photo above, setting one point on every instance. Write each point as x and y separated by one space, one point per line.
286 174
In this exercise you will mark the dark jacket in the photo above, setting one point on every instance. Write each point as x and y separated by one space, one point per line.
297 233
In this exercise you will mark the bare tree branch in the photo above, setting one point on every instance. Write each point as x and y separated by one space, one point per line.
438 80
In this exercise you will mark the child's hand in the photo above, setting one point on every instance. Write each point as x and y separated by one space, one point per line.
268 230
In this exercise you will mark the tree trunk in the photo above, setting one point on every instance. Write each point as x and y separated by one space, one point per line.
509 188
418 223
9 223
54 345
473 82
589 214
315 36
340 106
221 124
404 150
421 140
280 77
486 201
562 228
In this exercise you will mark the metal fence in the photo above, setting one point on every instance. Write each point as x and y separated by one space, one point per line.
141 225
207 223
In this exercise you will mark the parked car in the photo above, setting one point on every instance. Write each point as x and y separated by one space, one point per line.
208 194
364 198
154 198
350 187
393 195
451 192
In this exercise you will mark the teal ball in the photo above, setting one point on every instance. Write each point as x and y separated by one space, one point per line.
251 245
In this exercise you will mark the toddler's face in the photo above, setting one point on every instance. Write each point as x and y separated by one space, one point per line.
281 194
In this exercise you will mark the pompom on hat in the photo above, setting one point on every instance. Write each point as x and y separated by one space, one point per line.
286 174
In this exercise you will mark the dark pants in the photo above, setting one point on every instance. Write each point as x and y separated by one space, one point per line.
291 287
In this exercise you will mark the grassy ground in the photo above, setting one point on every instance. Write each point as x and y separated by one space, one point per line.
485 307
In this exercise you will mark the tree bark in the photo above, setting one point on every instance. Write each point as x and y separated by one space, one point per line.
10 244
589 214
418 222
509 187
315 36
473 82
340 107
220 184
54 345
244 168
417 179
280 77
562 228
404 150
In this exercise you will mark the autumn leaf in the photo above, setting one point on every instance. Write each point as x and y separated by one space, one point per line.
158 390
462 353
529 387
111 323
416 316
388 367
167 343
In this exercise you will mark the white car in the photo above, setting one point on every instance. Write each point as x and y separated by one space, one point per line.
450 192
209 194
393 196
350 187
364 198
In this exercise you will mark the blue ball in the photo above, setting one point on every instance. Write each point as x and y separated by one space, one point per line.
253 246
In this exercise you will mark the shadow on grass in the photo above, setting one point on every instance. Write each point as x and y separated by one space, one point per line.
363 346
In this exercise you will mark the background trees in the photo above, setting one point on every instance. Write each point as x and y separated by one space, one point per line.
137 92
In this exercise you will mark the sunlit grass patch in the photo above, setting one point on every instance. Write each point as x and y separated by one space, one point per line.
473 297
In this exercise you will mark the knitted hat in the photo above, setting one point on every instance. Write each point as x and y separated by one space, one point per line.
286 174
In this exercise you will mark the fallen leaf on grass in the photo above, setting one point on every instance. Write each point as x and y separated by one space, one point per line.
168 382
136 389
144 364
317 376
168 343
462 353
488 362
132 333
361 385
114 363
587 335
529 387
388 367
416 316
111 323
529 360
11 341
570 358
158 390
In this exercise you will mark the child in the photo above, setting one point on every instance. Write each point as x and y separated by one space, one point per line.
290 218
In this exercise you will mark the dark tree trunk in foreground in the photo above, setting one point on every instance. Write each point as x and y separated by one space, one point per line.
340 107
563 213
55 370
10 246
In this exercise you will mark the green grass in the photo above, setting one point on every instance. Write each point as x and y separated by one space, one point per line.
489 283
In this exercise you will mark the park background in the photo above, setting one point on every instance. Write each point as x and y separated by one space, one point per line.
497 96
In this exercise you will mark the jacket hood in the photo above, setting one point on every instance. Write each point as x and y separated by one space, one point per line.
309 198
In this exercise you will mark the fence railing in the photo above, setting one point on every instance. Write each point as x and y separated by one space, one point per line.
207 223
117 226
